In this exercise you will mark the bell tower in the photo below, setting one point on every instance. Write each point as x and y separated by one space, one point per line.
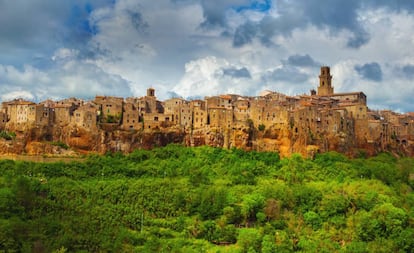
325 82
150 92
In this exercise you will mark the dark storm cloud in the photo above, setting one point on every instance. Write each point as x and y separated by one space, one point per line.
237 72
371 71
286 73
301 61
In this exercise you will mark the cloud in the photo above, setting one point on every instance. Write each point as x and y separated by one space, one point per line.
287 74
214 12
237 72
286 16
244 34
408 71
212 76
70 79
371 71
301 61
38 28
17 94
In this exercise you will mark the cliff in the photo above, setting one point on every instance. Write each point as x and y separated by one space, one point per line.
73 141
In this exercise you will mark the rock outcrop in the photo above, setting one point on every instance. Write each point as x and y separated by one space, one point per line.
72 141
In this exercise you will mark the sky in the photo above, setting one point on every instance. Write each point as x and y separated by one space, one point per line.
195 48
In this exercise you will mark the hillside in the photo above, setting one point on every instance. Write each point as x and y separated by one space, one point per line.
205 199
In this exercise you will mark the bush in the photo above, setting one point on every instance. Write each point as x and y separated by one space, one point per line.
261 127
60 144
7 135
313 219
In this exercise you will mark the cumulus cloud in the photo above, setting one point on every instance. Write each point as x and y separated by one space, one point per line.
371 71
17 94
71 79
212 76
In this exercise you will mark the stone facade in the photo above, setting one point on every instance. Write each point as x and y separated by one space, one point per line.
110 109
322 120
86 116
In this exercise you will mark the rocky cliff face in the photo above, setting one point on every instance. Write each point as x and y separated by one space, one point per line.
70 141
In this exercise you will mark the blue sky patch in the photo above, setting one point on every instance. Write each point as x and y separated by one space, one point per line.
261 6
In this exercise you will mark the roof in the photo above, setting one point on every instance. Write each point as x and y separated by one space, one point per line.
19 102
347 94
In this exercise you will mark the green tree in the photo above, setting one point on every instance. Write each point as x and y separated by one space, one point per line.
249 238
312 219
250 206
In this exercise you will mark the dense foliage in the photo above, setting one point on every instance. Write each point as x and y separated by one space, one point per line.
204 199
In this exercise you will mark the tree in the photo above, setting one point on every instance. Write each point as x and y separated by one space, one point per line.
272 209
249 238
312 219
268 244
251 204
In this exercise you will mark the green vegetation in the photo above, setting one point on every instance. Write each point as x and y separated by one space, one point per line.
261 127
204 199
60 144
7 135
113 118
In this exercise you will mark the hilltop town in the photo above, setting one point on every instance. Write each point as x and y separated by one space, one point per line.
317 122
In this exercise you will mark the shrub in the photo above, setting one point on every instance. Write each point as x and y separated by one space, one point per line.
7 135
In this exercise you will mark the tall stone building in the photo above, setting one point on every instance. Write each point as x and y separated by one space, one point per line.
325 82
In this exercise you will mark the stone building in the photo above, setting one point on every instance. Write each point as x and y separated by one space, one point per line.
132 117
174 106
325 82
149 103
199 113
85 116
3 119
20 113
218 117
110 109
157 121
186 116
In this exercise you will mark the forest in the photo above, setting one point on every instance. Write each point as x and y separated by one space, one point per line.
205 199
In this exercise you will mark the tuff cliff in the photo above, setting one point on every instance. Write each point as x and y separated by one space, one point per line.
73 141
